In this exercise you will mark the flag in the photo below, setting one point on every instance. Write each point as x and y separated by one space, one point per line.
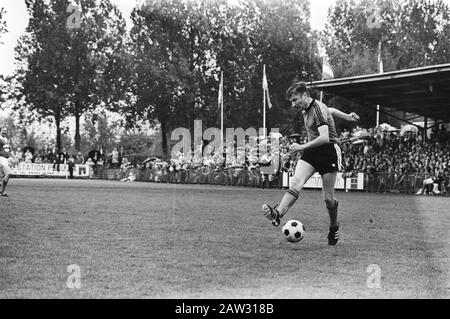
220 102
380 60
266 89
220 98
327 71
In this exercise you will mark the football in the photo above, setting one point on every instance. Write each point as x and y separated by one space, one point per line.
293 231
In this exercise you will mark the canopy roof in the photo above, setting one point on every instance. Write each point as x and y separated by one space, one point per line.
424 91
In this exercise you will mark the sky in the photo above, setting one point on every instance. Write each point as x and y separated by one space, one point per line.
17 19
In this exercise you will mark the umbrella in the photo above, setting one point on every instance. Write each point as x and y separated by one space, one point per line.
361 134
384 127
276 135
408 128
95 155
393 129
295 136
28 148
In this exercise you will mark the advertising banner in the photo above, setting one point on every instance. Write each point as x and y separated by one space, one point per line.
29 169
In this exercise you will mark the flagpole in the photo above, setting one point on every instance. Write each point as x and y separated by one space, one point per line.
380 70
264 103
221 111
321 92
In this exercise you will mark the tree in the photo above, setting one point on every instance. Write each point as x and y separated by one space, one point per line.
412 34
41 54
71 70
94 65
99 132
179 49
133 143
3 27
162 83
282 39
3 30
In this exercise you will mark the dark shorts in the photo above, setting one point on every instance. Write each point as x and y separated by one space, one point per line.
325 159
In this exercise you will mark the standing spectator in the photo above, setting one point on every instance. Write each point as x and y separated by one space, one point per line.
28 156
91 164
115 158
19 154
56 159
102 158
124 167
64 156
71 165
121 155
50 155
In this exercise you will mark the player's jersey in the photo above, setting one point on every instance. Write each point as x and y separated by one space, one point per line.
316 115
4 147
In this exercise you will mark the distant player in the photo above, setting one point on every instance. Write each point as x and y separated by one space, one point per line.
5 156
321 154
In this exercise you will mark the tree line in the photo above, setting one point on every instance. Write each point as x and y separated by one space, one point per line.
165 67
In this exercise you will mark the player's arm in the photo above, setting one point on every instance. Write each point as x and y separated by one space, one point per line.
322 139
351 117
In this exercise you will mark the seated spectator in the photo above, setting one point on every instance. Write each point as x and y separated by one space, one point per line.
79 159
38 160
131 177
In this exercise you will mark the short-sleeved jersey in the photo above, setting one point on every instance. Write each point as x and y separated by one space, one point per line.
4 145
316 115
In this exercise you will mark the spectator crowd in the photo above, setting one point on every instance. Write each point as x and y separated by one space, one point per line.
394 160
391 160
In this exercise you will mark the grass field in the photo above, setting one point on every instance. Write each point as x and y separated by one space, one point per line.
142 240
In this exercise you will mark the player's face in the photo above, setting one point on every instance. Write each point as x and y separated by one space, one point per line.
299 100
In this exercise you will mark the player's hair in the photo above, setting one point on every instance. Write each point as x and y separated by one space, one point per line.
298 87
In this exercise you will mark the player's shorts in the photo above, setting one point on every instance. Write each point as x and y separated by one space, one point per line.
4 167
325 159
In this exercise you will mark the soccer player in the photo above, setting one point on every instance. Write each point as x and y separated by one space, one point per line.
320 154
5 154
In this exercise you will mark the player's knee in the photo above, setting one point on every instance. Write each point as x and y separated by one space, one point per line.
330 202
6 178
297 184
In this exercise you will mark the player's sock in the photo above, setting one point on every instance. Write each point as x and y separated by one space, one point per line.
288 201
333 212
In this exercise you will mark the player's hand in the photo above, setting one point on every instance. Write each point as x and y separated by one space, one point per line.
295 147
354 117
